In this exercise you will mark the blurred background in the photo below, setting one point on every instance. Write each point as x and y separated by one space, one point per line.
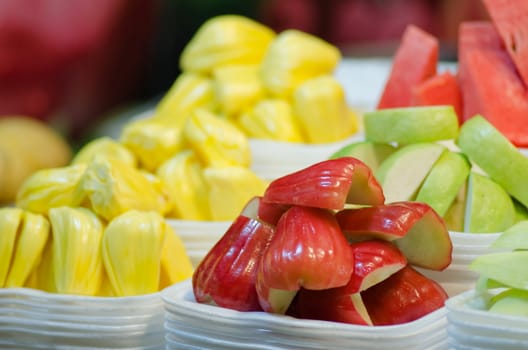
79 64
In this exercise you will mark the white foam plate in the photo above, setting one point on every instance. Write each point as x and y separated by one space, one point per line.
268 329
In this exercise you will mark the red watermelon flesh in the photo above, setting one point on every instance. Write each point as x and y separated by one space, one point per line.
415 60
473 35
490 84
510 17
441 89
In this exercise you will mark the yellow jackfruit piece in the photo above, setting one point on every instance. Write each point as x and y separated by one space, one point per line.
50 188
230 188
226 39
237 87
43 276
32 238
10 220
189 91
294 57
104 147
271 119
182 175
77 259
321 108
217 141
132 249
176 265
153 140
106 290
113 188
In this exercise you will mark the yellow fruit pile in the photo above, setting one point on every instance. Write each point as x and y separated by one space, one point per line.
96 225
73 251
270 86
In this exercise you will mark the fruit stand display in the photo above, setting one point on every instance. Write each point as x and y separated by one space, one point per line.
254 207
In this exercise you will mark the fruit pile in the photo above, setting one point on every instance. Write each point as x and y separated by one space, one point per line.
190 160
322 244
505 272
71 250
472 175
492 75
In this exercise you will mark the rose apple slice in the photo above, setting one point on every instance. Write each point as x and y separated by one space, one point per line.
267 212
307 250
335 305
414 227
374 261
226 275
404 297
329 184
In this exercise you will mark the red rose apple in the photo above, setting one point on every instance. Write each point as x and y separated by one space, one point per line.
414 227
307 250
329 184
404 297
226 275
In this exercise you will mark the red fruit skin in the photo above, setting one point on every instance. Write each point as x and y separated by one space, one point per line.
374 261
404 297
388 221
335 305
271 212
329 184
307 250
414 227
227 274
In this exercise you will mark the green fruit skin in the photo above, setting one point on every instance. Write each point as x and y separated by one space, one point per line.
443 182
512 302
370 153
404 171
496 155
489 207
507 268
411 124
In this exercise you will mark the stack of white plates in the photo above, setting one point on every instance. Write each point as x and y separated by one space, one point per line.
458 277
470 326
190 325
273 159
199 236
32 319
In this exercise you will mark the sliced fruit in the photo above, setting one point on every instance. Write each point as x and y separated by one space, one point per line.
414 227
308 250
514 238
335 305
510 302
226 276
404 297
370 153
444 181
329 184
508 268
498 157
401 175
489 208
411 125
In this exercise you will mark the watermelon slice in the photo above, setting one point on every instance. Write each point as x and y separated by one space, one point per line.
511 20
441 89
415 60
489 82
